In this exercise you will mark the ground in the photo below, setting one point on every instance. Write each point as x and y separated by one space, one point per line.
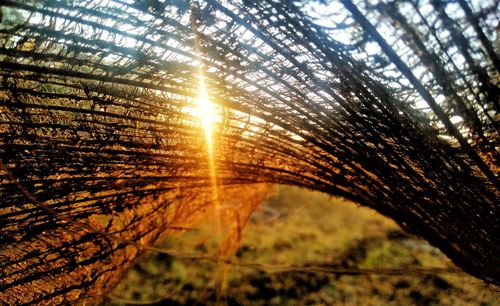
296 227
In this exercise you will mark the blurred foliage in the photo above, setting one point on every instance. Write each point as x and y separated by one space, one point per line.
300 228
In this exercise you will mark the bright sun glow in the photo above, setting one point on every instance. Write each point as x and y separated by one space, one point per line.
205 112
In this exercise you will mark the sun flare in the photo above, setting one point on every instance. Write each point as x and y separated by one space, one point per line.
205 111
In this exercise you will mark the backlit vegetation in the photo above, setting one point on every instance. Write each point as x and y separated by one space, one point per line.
123 122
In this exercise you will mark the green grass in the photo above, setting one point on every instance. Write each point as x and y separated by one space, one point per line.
297 227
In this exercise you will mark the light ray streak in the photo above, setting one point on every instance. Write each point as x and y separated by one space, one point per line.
206 114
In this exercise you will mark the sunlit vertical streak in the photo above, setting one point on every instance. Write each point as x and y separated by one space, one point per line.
207 116
206 113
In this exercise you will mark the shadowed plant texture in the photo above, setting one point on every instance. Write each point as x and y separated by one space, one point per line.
121 121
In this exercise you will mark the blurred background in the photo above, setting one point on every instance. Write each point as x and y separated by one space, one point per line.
299 228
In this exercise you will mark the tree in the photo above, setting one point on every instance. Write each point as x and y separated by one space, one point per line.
121 121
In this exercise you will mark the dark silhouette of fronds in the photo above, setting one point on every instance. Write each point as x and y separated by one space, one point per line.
393 105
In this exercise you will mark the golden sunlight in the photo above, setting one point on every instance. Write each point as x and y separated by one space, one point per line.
206 113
